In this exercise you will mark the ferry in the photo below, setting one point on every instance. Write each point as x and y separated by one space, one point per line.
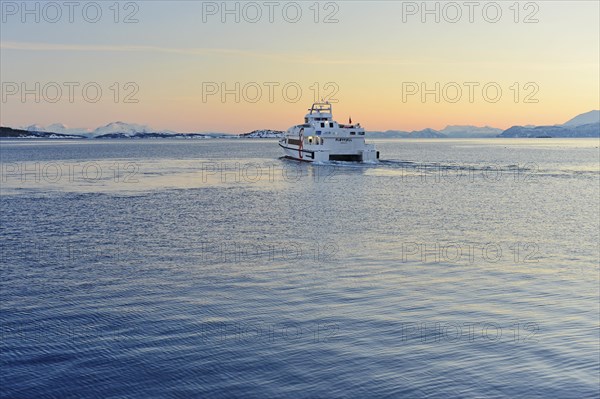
321 139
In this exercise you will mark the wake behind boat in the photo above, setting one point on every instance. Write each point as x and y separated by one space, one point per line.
321 139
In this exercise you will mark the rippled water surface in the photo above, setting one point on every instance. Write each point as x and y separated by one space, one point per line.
212 268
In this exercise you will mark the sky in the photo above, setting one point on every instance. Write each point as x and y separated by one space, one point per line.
234 67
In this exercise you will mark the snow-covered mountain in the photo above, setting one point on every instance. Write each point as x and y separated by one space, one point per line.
415 134
468 131
584 119
7 132
115 129
57 128
426 134
263 134
452 131
588 130
583 125
126 130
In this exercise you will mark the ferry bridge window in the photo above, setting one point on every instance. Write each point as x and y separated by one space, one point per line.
361 133
330 124
322 124
352 133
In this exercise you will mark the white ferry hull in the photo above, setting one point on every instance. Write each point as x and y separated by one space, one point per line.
298 155
319 155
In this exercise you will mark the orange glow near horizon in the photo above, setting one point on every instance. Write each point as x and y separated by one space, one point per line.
547 71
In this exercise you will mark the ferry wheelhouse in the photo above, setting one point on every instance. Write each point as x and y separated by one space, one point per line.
321 139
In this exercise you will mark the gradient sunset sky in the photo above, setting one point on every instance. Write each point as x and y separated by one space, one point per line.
370 54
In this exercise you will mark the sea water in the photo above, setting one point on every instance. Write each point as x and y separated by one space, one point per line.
213 268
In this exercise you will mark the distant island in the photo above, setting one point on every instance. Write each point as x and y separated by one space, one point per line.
583 125
7 132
